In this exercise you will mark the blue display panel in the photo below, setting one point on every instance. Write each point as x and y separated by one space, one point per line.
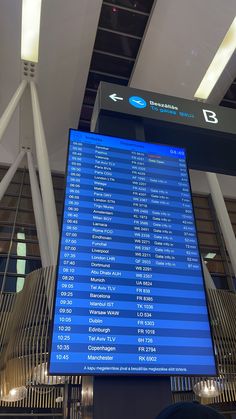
130 297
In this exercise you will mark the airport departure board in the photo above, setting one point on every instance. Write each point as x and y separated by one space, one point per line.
129 297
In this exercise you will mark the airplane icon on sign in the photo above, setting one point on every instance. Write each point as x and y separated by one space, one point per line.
137 102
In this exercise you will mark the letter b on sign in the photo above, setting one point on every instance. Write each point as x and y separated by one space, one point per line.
210 116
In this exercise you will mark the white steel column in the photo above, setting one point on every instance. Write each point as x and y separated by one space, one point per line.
45 177
38 213
7 114
207 276
5 182
223 217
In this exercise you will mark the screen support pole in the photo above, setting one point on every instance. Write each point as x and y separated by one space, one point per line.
5 182
223 217
45 177
7 114
38 213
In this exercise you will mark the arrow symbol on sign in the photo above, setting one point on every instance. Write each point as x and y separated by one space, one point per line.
115 97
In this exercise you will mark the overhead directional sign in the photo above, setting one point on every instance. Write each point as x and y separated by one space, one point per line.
150 105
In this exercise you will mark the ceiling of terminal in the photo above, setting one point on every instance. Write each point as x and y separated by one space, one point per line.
158 45
121 27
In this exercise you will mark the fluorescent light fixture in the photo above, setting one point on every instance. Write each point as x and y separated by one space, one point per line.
31 12
20 263
218 64
210 255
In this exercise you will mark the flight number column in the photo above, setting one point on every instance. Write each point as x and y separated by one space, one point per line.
146 350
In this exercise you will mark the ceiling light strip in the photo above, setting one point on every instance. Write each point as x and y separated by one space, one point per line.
218 64
30 30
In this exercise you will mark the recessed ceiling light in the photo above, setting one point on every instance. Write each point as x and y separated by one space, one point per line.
31 12
218 64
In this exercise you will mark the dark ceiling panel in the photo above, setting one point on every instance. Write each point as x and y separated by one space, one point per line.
120 30
231 93
113 65
123 21
140 5
229 99
229 103
117 44
89 97
94 80
86 113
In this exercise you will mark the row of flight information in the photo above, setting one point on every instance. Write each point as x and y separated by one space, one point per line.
130 295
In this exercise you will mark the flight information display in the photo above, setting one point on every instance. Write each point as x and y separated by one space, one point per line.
130 296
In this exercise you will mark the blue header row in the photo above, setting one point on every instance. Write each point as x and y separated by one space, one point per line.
131 145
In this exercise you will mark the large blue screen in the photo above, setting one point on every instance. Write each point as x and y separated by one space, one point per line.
130 297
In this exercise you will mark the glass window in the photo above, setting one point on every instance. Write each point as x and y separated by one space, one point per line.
10 283
29 249
30 233
12 265
220 282
32 265
14 283
3 261
5 231
22 266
